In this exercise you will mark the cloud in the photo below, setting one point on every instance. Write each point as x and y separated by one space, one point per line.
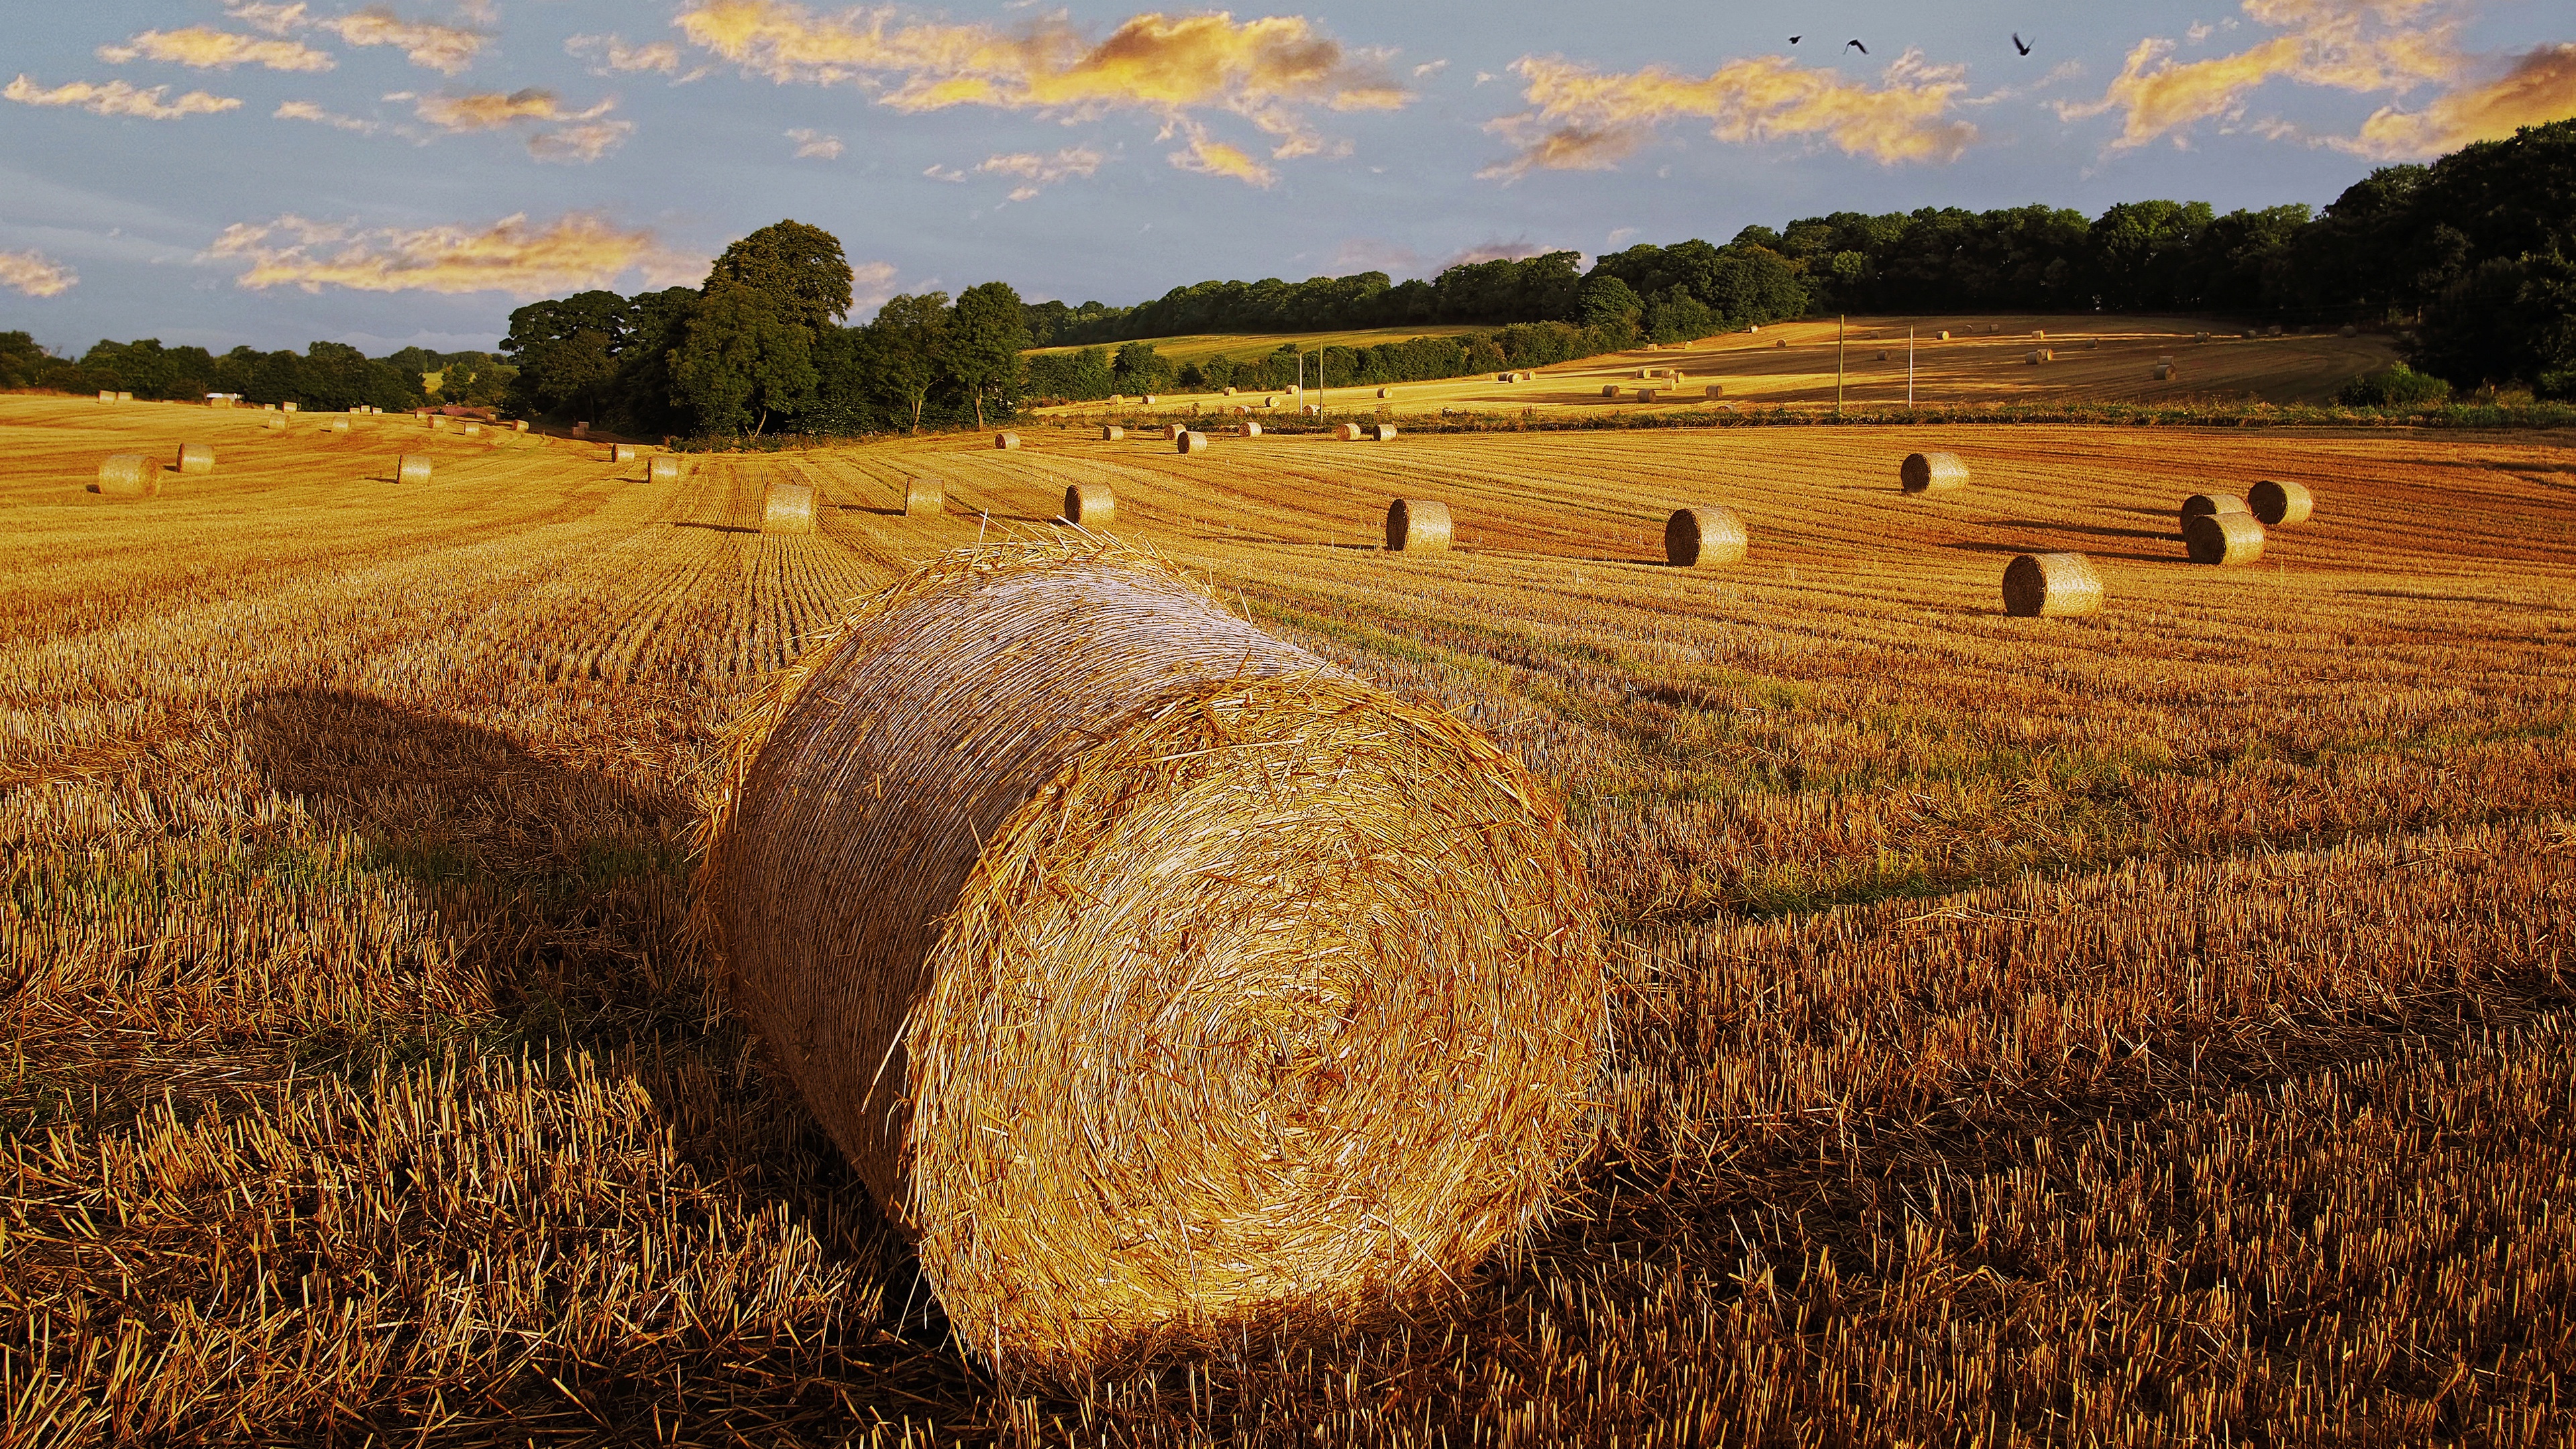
308 111
205 48
2353 45
2539 86
611 55
871 283
116 98
447 49
1429 68
1582 119
1497 251
815 146
1037 172
33 274
573 253
577 135
1370 254
1270 71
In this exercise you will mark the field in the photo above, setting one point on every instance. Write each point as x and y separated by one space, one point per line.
2097 359
2139 1029
1199 347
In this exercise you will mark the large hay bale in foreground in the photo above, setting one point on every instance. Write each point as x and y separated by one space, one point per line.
196 458
1161 981
1189 440
2274 503
2051 585
1419 525
2203 503
2225 539
128 475
1703 535
1932 473
1006 441
1090 505
924 496
412 468
787 508
664 468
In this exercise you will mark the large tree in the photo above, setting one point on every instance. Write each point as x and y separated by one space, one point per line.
742 361
799 268
986 335
905 349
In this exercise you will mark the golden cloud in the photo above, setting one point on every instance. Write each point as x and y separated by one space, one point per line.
578 135
2353 45
2540 86
1584 119
308 111
35 275
1268 71
613 56
205 48
813 145
1038 172
576 252
442 48
116 98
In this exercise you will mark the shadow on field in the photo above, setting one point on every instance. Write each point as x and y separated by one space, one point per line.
715 527
2154 535
1970 546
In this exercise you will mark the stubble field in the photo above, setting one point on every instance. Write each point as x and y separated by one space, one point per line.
2125 1030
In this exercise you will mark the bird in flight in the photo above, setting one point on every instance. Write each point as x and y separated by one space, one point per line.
1855 45
2018 45
1794 39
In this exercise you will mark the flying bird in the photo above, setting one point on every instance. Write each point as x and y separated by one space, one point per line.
2018 45
1855 45
1794 39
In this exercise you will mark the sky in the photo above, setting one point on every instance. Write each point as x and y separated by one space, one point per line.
270 173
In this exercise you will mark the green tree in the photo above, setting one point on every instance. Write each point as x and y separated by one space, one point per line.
742 361
987 333
905 351
799 268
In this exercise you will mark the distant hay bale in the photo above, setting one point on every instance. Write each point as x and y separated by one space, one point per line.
1705 535
1348 432
1526 376
339 425
125 397
2348 331
412 468
1229 392
1650 394
665 468
1506 377
273 424
2199 504
581 427
1716 390
1270 402
475 430
1381 433
196 458
1006 441
2272 331
2225 539
2092 344
787 508
621 453
128 475
1882 354
1783 342
1149 400
2273 504
1090 505
2200 337
1419 525
2034 357
2039 332
519 426
2051 586
1645 372
2164 372
1312 410
1111 433
923 497
290 405
437 422
106 397
1932 473
1610 389
1943 336
1189 441
1165 979
1384 393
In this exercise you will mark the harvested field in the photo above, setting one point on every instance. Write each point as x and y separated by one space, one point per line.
2146 1027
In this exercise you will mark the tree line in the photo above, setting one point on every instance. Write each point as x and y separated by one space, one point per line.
326 376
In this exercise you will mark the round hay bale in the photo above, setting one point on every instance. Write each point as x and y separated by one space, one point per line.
520 426
2225 539
2204 503
1419 525
621 452
1149 400
291 406
2200 337
1112 434
924 496
125 397
2039 332
2033 357
1704 535
273 424
1189 440
1348 432
2051 586
475 430
1229 392
1941 336
2274 503
1312 410
1506 377
339 425
1610 389
1932 473
1783 342
1006 441
664 468
1716 390
128 475
1161 978
787 508
1882 354
437 422
2164 372
1251 429
412 468
1645 372
106 397
1381 433
581 428
2347 331
1384 393
1090 505
1270 402
196 458
2092 344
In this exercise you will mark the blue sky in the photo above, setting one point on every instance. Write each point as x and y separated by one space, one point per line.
246 171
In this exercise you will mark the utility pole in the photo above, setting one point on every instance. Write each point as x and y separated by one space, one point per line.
1840 338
